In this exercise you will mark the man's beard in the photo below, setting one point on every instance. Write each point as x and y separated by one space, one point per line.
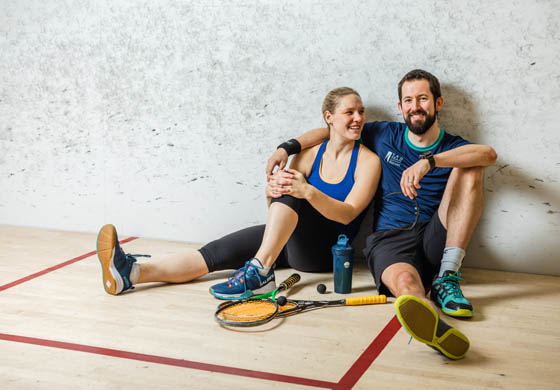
420 128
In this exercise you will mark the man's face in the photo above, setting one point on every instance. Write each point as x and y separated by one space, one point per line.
417 106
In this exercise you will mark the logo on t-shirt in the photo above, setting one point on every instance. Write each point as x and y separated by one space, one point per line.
393 159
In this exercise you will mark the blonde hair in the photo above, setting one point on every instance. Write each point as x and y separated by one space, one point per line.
333 98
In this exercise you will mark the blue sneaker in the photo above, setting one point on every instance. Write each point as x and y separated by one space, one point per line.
116 265
447 294
245 282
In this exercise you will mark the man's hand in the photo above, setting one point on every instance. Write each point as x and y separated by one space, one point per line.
279 158
278 184
410 180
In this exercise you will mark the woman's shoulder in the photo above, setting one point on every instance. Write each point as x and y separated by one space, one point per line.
311 152
368 164
367 154
303 161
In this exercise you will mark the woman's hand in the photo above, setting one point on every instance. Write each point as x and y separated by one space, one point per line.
278 184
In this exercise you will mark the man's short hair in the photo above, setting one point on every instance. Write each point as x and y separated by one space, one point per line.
419 74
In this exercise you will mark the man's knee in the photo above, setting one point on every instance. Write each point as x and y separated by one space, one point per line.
405 278
406 281
470 178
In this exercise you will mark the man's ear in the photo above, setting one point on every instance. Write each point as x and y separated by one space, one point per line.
400 107
439 103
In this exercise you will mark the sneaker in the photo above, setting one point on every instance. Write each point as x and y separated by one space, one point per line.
116 265
245 282
447 294
423 323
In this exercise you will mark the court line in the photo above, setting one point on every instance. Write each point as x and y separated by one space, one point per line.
350 378
54 268
366 359
169 361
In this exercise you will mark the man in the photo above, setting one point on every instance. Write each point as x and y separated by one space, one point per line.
428 204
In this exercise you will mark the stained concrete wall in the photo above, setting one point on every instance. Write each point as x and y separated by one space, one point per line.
158 116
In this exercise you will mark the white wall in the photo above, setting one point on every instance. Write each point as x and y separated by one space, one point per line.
158 116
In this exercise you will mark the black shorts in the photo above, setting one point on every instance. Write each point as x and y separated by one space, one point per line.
307 250
422 247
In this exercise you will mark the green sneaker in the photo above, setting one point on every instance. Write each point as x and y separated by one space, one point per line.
423 323
447 294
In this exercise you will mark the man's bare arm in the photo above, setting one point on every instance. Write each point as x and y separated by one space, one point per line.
280 157
466 156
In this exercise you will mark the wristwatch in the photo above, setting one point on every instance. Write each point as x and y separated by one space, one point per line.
430 157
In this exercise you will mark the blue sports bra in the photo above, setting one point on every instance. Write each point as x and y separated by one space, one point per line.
339 190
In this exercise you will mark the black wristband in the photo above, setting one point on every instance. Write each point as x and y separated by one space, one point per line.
430 157
292 146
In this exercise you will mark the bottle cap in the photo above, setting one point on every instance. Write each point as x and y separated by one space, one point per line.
342 240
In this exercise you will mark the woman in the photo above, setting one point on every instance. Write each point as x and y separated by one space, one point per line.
327 190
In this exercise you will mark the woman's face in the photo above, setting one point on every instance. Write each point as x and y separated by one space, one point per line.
348 118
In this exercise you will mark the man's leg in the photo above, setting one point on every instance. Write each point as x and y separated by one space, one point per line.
404 279
461 205
418 315
459 212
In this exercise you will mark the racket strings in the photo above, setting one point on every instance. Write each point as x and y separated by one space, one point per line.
248 311
289 306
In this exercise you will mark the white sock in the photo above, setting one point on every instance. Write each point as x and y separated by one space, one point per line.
263 271
134 273
452 260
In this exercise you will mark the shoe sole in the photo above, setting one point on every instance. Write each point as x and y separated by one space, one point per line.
421 322
106 241
462 313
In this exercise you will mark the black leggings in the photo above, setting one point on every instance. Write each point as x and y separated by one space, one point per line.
307 250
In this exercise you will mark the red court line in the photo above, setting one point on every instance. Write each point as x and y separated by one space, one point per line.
367 358
351 377
169 361
54 268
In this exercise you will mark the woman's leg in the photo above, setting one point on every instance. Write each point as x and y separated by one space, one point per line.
228 252
178 268
183 267
280 224
257 276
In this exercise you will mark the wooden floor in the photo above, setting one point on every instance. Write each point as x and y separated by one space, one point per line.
59 329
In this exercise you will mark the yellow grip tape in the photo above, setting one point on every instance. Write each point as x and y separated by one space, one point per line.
290 282
366 300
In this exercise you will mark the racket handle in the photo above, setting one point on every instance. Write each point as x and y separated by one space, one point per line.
366 300
286 284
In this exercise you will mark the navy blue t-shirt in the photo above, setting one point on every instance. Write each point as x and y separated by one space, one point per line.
390 141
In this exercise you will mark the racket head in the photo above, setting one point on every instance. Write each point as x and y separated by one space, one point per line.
251 312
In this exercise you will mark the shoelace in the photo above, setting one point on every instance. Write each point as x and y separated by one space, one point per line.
451 283
235 278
